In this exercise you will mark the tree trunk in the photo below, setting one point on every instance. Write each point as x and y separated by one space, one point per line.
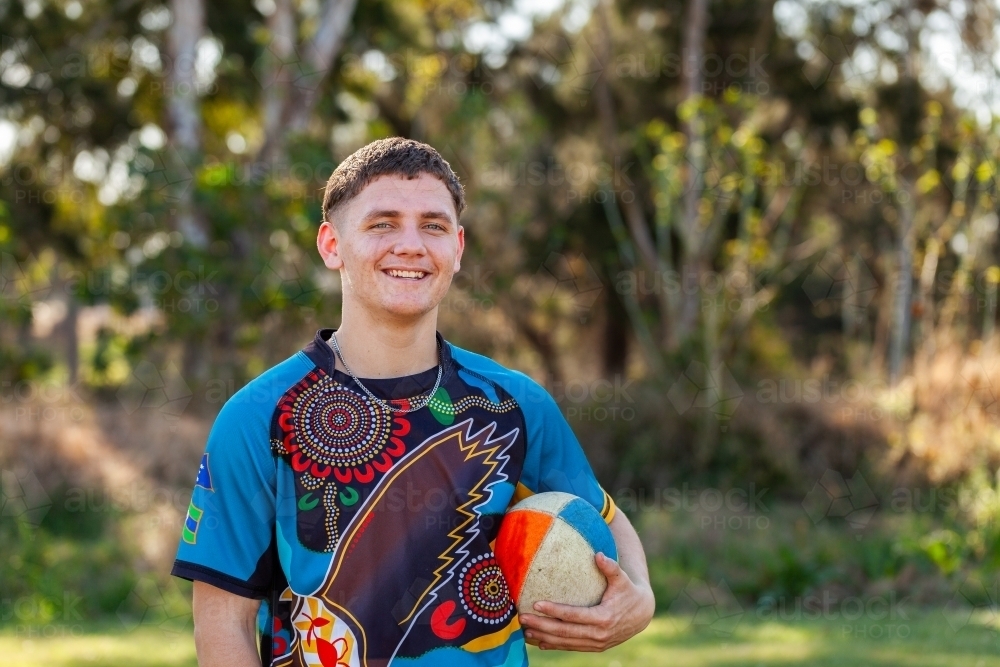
635 219
615 352
278 72
691 264
183 111
909 113
928 271
72 338
319 55
904 287
296 72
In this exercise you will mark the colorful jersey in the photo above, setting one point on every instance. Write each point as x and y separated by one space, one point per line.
368 534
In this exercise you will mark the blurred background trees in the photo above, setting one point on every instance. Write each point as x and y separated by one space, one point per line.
711 208
681 172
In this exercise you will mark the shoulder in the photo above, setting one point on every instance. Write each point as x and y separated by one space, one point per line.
525 390
256 401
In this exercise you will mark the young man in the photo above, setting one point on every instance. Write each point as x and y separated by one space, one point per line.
349 497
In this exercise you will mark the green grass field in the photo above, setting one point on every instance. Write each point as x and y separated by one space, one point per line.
925 640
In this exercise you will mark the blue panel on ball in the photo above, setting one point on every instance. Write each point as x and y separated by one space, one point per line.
587 521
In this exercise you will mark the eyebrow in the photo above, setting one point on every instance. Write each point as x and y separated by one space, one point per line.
425 215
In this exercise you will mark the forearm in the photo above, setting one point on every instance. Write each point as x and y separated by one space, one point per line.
225 632
631 557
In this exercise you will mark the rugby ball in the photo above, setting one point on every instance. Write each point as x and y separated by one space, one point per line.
546 548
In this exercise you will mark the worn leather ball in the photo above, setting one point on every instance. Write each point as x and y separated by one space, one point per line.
546 548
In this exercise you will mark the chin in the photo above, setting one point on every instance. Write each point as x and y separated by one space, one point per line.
408 309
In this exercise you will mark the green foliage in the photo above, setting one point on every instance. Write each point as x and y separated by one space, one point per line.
71 558
765 558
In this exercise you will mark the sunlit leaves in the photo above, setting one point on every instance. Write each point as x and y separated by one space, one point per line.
928 181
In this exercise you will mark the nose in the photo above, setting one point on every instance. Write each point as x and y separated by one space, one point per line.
409 241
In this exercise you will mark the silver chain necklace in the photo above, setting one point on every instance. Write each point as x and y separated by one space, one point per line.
386 404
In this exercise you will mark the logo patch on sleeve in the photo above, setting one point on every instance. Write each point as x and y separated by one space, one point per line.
204 479
191 522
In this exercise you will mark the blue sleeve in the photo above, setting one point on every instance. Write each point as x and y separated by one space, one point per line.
227 536
554 460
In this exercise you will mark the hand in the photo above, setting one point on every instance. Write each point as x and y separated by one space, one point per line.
623 612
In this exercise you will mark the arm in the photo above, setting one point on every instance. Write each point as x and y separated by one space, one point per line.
225 628
624 611
633 558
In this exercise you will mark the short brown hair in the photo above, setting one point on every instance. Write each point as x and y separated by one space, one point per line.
392 156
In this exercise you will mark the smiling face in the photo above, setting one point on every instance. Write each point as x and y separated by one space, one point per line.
397 245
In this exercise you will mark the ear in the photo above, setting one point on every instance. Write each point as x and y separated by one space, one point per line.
461 249
328 244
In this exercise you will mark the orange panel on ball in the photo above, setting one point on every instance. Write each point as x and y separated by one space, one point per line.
521 534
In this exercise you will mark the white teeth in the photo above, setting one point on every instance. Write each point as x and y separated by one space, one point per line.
406 274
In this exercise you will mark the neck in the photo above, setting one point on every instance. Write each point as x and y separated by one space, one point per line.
377 348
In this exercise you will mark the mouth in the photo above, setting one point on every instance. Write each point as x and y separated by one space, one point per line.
412 275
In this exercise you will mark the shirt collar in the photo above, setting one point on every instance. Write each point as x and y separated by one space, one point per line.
321 354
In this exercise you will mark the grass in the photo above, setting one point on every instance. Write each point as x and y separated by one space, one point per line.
94 645
924 640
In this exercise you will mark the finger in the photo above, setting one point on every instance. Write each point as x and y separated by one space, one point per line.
608 566
572 614
555 627
548 641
